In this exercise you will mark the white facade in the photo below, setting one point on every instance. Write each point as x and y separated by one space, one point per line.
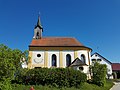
98 58
39 61
64 57
50 53
36 59
86 53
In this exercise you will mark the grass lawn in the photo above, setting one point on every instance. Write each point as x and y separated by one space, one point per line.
84 86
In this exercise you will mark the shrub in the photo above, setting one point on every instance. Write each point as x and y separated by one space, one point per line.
5 84
58 77
99 74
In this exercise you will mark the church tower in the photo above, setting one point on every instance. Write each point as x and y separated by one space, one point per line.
38 30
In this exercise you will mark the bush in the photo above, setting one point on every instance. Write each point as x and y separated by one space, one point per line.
99 74
58 77
5 85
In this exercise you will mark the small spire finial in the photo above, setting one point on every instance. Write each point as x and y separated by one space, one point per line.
39 14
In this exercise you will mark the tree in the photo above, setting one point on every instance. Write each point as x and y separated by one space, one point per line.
99 74
10 60
7 67
9 64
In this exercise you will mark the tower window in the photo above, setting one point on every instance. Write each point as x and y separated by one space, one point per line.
37 35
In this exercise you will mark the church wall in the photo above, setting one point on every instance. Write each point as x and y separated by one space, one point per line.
30 60
50 53
64 56
46 57
37 61
84 52
89 55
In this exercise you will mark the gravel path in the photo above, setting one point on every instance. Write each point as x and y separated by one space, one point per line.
116 86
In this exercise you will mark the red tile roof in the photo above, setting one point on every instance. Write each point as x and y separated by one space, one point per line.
55 41
116 66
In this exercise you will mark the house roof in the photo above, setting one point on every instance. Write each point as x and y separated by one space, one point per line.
56 41
101 57
116 66
77 62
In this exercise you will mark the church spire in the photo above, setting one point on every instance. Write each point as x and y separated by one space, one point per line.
39 22
38 29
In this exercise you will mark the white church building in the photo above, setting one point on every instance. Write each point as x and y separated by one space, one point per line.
58 52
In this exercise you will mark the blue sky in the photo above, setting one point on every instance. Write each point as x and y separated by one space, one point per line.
95 23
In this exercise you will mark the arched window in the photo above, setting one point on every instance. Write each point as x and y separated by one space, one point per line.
54 60
37 35
83 58
68 60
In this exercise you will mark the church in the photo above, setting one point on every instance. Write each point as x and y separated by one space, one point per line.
57 52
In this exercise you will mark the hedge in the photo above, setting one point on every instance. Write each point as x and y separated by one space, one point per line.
58 77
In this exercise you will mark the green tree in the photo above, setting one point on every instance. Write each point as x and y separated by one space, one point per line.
7 68
99 74
9 64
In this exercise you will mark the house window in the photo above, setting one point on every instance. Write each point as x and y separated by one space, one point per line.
93 60
83 58
68 60
99 60
54 60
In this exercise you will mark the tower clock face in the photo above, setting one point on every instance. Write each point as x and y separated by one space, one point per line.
38 60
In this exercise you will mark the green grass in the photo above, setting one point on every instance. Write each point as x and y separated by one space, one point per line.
87 86
84 86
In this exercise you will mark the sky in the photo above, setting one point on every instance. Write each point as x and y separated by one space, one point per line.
95 23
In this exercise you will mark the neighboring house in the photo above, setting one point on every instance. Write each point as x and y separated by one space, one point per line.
100 59
116 70
57 51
